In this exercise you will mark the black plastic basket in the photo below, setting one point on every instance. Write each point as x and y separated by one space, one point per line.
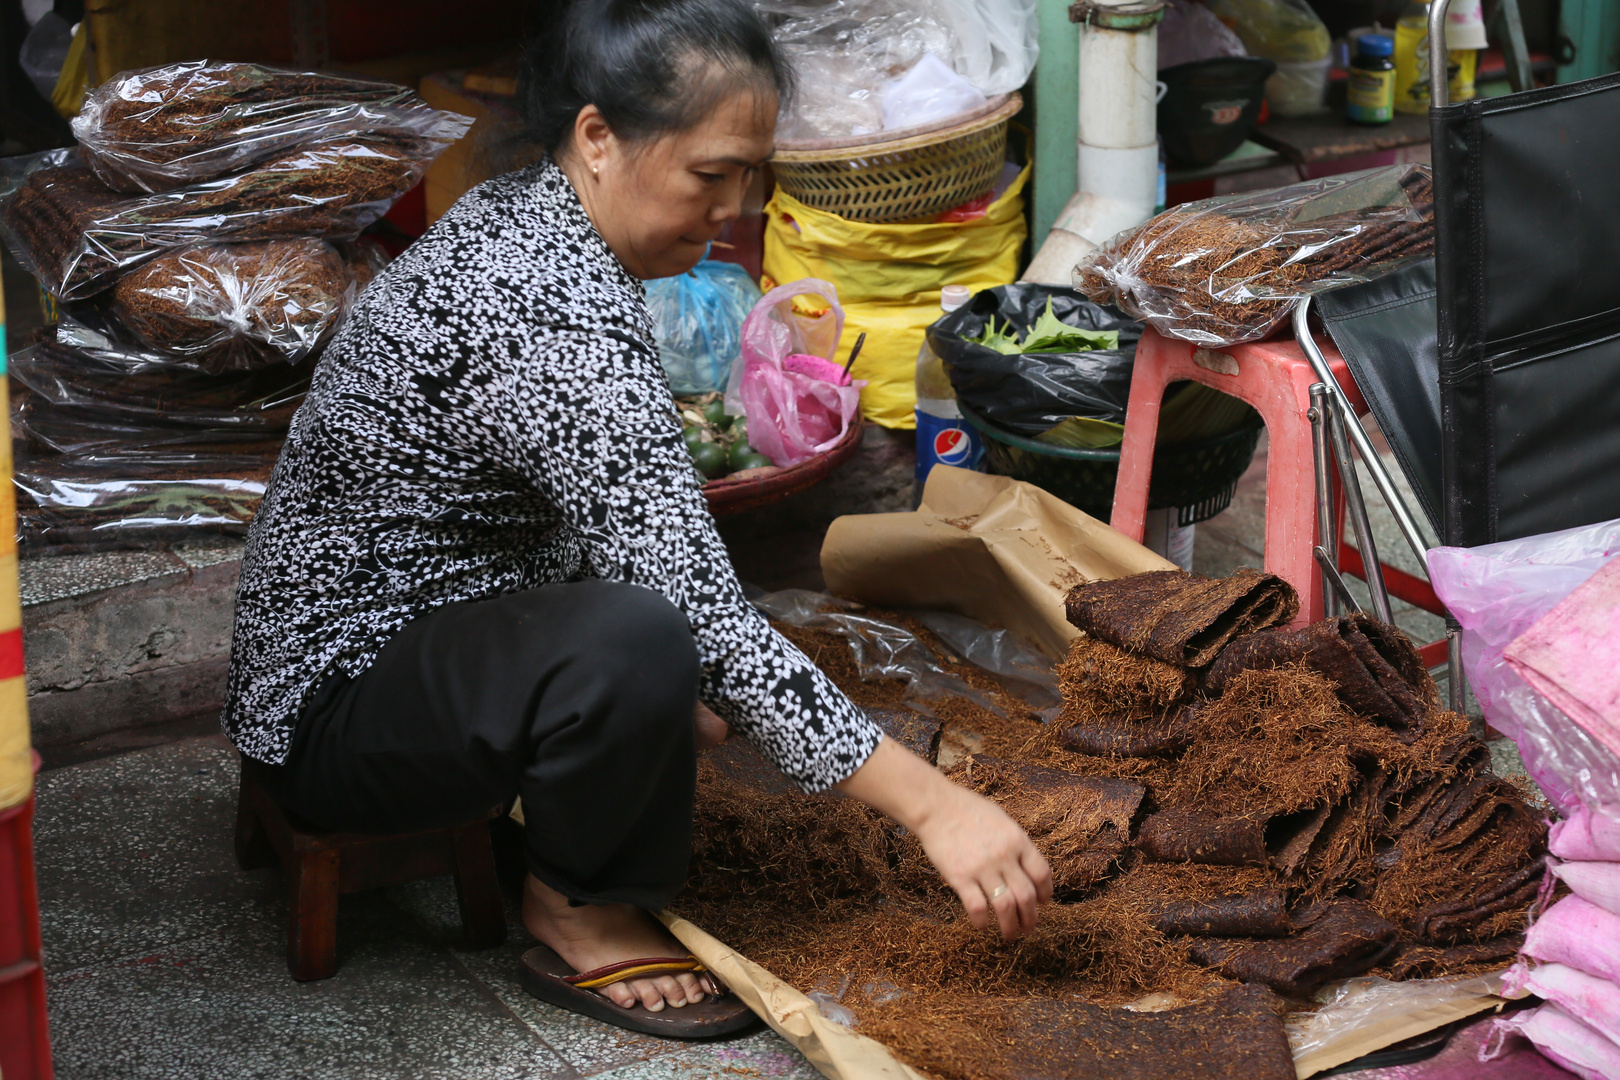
1197 478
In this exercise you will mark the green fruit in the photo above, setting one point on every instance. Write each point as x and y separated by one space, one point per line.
751 461
715 413
740 450
710 460
693 437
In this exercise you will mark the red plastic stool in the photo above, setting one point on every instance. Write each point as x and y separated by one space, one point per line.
1276 379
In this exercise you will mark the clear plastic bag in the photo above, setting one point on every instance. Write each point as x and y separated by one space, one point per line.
846 51
1497 592
75 235
165 127
236 306
885 650
1190 31
72 402
699 317
784 382
136 499
1227 270
930 93
1283 30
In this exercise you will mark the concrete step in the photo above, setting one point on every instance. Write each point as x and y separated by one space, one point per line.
126 639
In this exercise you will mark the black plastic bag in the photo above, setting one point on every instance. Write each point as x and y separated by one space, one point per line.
1031 393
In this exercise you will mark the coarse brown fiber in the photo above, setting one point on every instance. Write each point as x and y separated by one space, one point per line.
1361 849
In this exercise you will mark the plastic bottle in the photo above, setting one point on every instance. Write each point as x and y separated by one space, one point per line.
942 435
1371 95
1412 63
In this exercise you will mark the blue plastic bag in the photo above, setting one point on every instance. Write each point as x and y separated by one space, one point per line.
697 317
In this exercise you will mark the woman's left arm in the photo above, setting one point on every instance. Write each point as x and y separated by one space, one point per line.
591 424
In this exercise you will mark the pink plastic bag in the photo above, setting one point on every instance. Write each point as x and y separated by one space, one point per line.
1497 592
1562 1038
1571 656
1593 1001
1579 934
798 402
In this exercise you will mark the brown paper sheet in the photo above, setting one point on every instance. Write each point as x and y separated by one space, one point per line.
989 547
837 1051
1334 1035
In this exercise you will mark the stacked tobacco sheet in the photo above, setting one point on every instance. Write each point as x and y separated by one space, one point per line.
1235 814
200 246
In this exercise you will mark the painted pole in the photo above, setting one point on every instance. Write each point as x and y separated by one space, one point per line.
25 1049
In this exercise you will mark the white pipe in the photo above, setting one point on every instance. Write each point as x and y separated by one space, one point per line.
1118 149
1118 76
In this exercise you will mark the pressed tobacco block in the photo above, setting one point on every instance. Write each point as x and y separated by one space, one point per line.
1236 1036
1340 938
1374 668
1200 836
1177 617
1426 961
917 733
1258 913
1120 735
1082 824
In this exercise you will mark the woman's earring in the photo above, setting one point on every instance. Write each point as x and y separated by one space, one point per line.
595 171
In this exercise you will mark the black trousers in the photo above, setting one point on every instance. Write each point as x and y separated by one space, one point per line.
578 697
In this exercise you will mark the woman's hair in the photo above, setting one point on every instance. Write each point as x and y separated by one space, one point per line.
651 66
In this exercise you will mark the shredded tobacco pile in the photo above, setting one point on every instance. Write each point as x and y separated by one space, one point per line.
1224 850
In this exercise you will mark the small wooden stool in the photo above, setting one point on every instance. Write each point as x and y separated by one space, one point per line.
322 866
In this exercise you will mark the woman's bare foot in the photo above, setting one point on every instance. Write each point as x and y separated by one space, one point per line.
594 936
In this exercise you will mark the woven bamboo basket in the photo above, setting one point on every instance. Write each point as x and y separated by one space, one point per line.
896 176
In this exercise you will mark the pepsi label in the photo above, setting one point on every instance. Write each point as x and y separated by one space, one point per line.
946 441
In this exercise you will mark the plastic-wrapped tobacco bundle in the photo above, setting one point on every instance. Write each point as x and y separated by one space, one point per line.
72 401
1227 270
131 499
236 306
75 234
166 127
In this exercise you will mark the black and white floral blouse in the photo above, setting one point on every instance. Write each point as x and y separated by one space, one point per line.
493 417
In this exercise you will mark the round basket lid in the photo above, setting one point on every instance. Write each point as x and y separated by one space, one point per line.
996 105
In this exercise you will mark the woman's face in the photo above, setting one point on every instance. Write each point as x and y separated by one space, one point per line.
658 203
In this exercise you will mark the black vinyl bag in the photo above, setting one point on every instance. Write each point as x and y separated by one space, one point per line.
1527 214
1029 394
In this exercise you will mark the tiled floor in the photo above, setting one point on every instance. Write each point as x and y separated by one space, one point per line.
166 962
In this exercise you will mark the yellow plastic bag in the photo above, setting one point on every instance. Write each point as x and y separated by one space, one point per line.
889 279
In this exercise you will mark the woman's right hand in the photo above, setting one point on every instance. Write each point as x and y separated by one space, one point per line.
980 852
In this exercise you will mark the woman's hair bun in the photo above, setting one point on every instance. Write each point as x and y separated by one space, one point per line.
651 66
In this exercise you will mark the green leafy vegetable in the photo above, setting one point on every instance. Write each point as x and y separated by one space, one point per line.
1003 341
1049 334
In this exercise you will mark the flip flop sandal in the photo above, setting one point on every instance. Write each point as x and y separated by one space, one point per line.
548 977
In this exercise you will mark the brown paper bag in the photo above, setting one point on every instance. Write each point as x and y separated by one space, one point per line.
989 547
